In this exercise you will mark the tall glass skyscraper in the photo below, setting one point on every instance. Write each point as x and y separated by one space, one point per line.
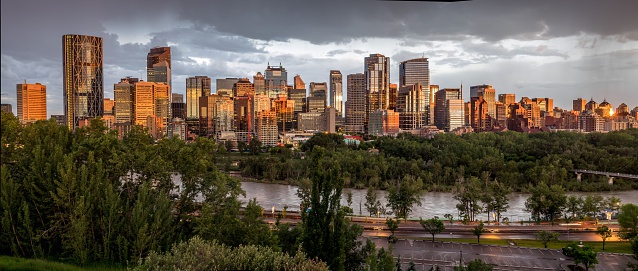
412 72
336 91
377 73
83 85
196 87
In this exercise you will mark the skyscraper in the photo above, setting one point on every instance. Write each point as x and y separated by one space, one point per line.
356 103
82 64
260 83
276 78
7 108
158 66
316 102
412 72
579 104
299 83
124 96
196 87
377 74
336 91
32 102
488 94
442 107
224 87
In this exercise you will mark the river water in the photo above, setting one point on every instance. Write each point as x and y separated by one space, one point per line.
432 203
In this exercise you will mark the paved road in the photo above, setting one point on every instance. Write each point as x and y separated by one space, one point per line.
426 254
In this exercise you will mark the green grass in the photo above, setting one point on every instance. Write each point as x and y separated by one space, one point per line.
20 264
613 247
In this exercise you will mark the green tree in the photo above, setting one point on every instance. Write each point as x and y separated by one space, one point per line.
254 146
432 225
327 141
372 202
546 202
584 254
573 207
628 221
393 225
469 195
325 226
402 197
547 236
604 232
478 230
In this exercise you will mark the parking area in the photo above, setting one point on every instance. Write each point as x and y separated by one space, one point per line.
426 254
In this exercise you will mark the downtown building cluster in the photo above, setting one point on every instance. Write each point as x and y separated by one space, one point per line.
273 111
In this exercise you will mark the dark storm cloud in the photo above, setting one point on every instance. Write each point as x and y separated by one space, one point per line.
341 21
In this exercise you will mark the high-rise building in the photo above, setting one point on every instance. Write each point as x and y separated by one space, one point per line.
415 71
285 112
59 119
394 92
384 122
545 105
488 94
243 87
243 118
377 73
299 83
224 87
266 126
336 91
124 96
177 98
316 102
479 116
454 114
579 105
441 96
507 99
622 109
433 90
260 83
196 87
109 106
151 107
32 102
7 108
591 105
356 103
410 107
276 79
82 64
158 65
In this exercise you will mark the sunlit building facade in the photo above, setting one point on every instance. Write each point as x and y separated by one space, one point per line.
31 102
196 87
83 82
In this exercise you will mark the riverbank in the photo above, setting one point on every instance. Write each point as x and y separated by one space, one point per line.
9 263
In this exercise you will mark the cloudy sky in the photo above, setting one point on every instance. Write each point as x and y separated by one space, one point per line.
558 49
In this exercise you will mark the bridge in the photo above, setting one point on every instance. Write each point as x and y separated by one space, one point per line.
610 175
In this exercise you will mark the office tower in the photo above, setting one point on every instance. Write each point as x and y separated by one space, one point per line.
356 103
316 102
177 128
177 98
276 79
533 112
196 87
285 112
454 114
243 87
243 118
260 83
224 115
178 106
158 65
7 108
579 105
488 94
545 104
479 114
82 65
336 91
299 83
441 96
588 121
433 90
224 87
299 96
266 127
261 103
109 106
410 106
151 107
124 96
415 71
394 92
501 114
31 102
377 73
507 99
207 114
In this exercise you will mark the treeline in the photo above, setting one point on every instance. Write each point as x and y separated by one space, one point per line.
517 160
87 197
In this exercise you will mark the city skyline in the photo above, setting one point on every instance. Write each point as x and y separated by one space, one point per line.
546 50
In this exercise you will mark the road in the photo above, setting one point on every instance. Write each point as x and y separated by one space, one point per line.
426 254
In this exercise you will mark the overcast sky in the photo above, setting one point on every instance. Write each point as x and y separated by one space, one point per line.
558 49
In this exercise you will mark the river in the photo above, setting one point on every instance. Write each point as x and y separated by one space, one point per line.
433 203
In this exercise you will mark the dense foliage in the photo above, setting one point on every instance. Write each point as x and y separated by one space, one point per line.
519 161
197 254
87 196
